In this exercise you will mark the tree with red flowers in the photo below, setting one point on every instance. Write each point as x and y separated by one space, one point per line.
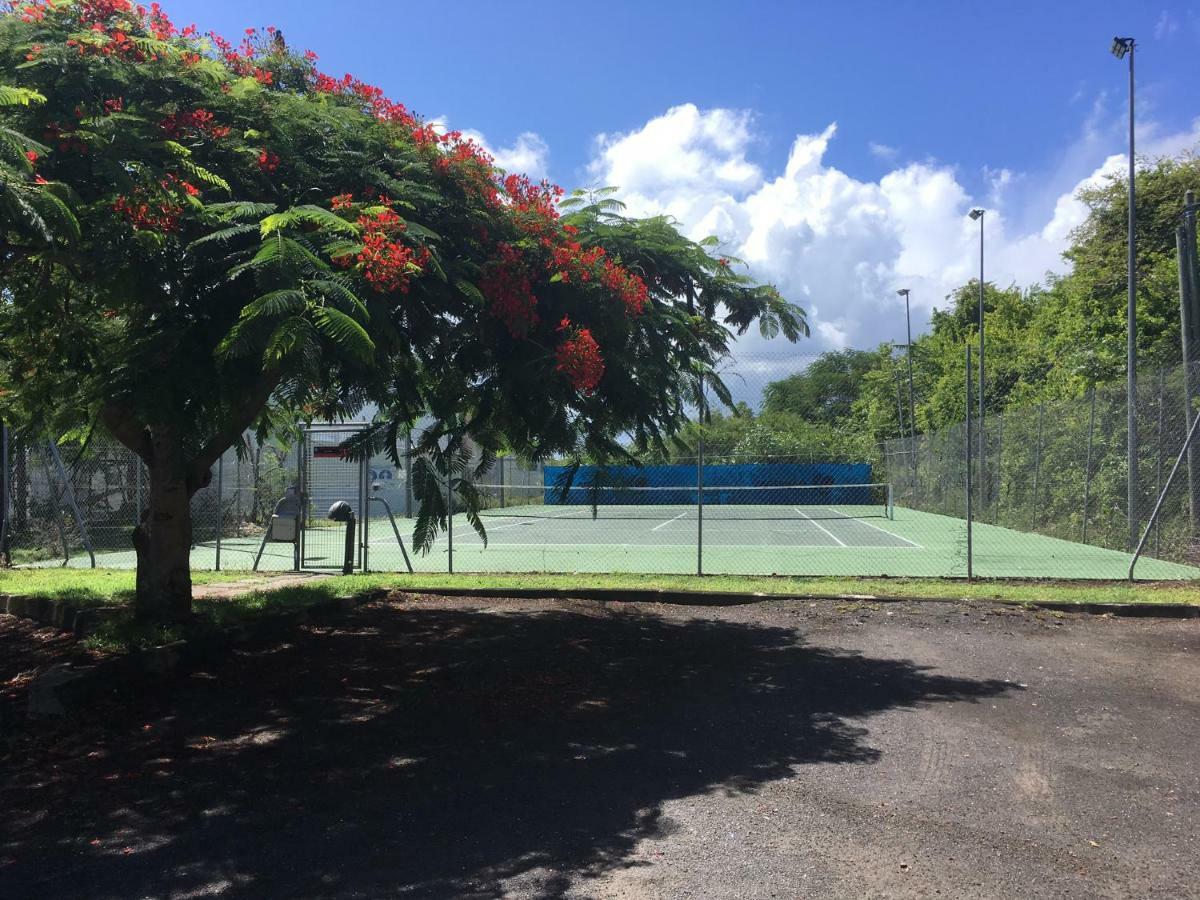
201 237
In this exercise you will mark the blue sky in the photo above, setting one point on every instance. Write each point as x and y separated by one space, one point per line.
937 105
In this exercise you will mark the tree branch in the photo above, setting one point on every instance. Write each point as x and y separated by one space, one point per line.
240 418
126 428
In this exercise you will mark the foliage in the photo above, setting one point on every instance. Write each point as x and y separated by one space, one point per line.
206 236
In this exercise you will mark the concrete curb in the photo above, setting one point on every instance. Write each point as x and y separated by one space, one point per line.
728 598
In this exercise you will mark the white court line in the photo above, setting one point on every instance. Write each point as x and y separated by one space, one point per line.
531 520
840 542
669 521
876 527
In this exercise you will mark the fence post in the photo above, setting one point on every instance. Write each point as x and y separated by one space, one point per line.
5 492
449 524
970 572
1037 465
501 476
999 477
1087 466
408 474
1159 448
1187 443
220 506
700 489
1184 252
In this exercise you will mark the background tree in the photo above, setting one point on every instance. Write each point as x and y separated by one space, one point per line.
259 240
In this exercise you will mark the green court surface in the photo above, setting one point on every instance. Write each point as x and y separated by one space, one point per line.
828 540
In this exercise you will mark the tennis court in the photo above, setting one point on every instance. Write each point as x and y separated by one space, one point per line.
747 539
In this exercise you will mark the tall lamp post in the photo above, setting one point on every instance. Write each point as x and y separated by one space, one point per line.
1121 46
912 418
977 215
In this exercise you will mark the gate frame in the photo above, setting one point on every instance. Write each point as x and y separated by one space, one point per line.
303 463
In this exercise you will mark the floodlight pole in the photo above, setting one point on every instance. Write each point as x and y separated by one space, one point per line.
1120 48
912 417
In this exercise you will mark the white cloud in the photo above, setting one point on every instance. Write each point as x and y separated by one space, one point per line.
841 246
1166 25
529 155
882 151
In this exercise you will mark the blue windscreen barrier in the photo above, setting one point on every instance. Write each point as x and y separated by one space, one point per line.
739 483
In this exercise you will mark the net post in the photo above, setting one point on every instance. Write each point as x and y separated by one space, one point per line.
970 572
501 474
891 502
220 507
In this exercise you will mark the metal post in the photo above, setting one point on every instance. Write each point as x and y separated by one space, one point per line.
220 508
1186 326
1189 224
1162 495
999 468
982 394
69 490
700 490
1087 467
1037 465
5 494
501 473
970 571
912 415
1158 440
1131 329
449 525
408 474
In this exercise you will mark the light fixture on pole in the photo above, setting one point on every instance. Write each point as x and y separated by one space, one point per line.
977 215
1122 46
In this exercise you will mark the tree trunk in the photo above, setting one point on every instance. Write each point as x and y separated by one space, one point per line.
163 539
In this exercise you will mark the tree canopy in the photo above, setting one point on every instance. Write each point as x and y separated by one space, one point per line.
201 237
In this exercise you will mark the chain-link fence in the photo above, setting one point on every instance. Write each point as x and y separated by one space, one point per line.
776 486
1051 483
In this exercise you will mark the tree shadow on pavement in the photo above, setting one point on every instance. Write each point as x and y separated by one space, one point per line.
435 753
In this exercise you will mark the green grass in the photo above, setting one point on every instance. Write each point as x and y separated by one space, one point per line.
108 586
931 588
88 587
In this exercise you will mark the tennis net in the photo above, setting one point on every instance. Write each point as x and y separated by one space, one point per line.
805 501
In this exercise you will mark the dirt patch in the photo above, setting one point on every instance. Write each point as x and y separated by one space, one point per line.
228 590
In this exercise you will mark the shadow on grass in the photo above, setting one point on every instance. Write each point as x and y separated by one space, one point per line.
437 753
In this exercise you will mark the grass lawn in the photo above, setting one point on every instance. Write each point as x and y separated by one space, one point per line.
92 586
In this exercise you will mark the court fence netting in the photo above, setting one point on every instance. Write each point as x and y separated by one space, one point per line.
1048 497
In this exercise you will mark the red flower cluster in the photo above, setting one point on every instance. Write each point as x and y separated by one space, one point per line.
268 161
159 210
626 285
114 105
195 122
578 357
34 12
100 11
342 201
571 262
509 292
388 265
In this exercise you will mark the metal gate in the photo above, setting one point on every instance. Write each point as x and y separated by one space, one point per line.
327 475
